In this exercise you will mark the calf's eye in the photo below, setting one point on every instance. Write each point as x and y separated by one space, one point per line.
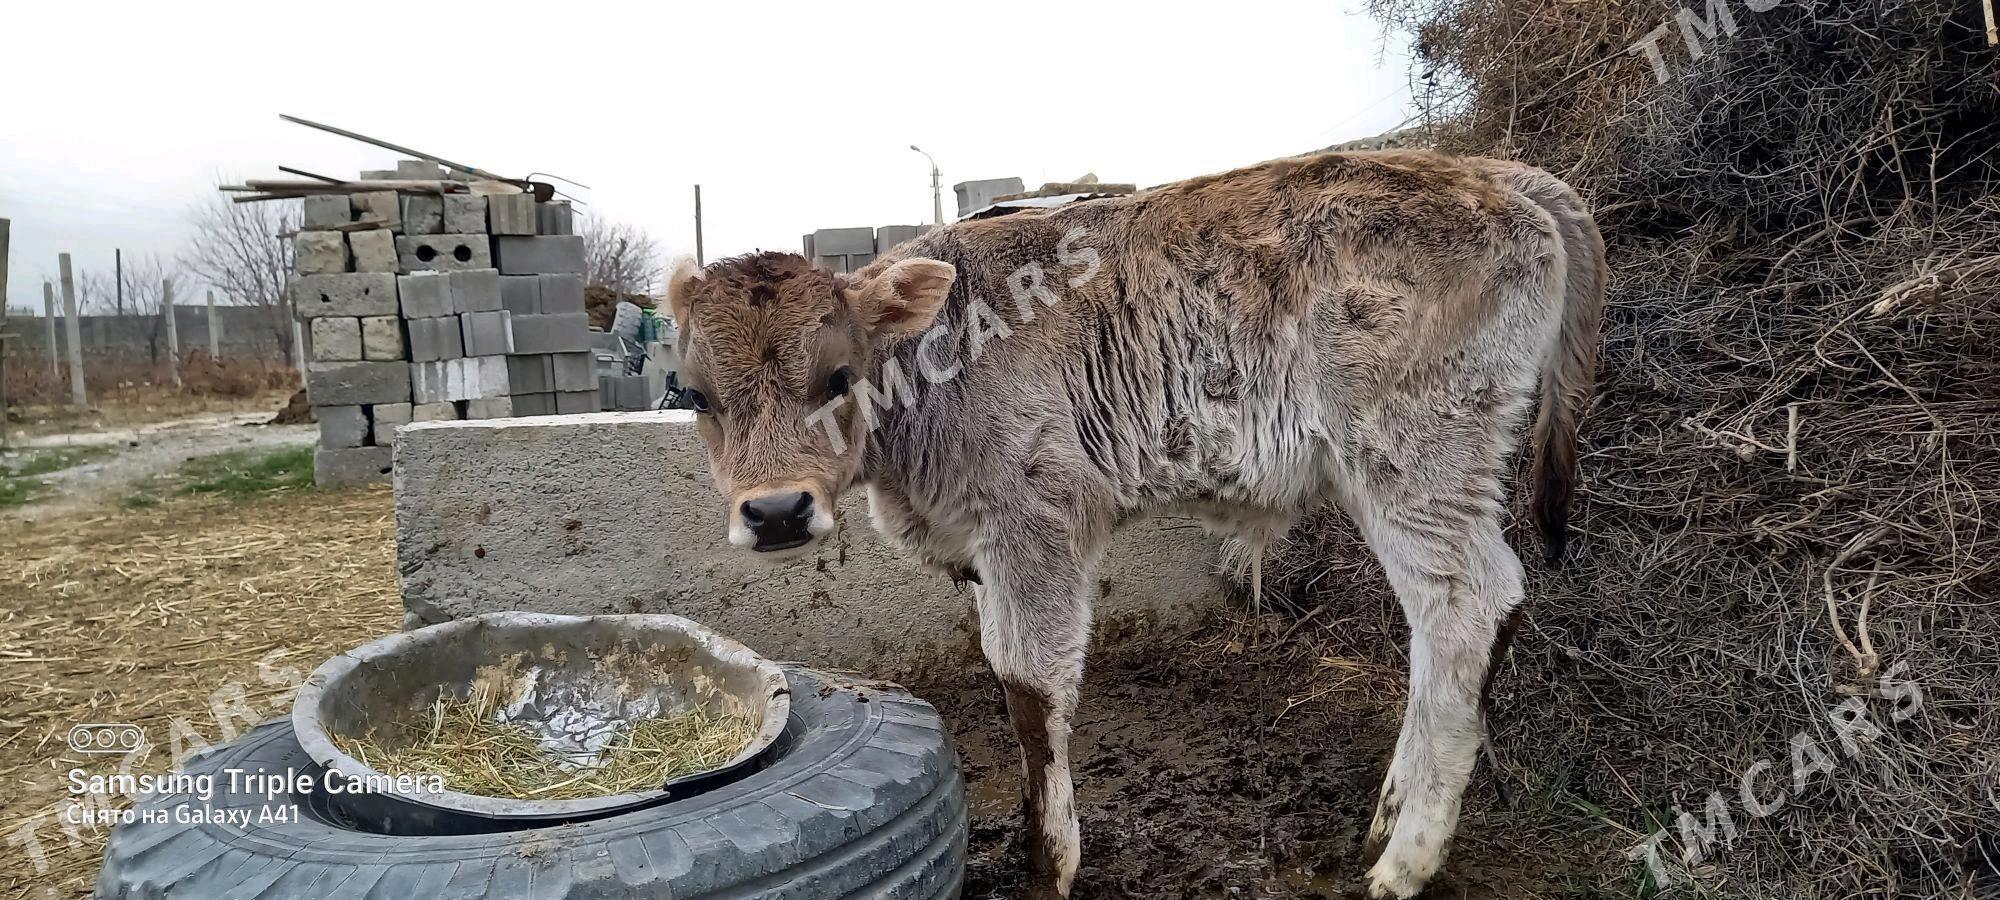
698 400
837 383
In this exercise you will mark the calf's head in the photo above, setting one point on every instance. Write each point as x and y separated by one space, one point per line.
768 341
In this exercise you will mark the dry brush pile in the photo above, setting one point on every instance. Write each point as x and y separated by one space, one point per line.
1793 470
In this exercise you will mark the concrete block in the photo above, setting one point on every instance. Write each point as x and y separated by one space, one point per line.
378 174
553 333
354 294
531 374
574 371
484 377
431 382
561 294
374 250
325 211
423 215
319 252
384 419
543 404
510 214
443 252
521 294
433 412
888 236
381 207
426 295
341 426
607 392
856 260
487 333
490 408
357 383
464 214
502 534
551 255
435 339
357 465
335 338
418 170
632 392
475 290
571 402
382 337
554 217
836 241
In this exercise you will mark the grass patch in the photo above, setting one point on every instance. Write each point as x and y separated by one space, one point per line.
248 472
233 473
18 484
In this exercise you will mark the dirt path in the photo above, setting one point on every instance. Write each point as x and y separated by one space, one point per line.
145 452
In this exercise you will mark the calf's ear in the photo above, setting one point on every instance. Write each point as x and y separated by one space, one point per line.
680 290
903 299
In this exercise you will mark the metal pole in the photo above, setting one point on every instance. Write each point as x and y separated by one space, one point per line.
173 331
55 345
118 257
698 260
75 329
214 330
937 193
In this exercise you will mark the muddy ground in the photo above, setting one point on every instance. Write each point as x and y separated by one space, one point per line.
1207 770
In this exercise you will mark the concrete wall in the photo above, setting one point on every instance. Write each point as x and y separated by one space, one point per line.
614 512
247 331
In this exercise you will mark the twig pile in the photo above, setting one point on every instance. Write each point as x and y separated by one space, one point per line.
1795 450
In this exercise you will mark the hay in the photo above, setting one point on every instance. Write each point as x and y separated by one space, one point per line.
475 753
194 619
1794 455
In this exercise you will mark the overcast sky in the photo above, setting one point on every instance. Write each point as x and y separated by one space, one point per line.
791 116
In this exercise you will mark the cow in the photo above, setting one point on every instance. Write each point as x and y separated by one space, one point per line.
1366 328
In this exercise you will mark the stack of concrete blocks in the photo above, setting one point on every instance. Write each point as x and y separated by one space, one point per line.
848 249
408 319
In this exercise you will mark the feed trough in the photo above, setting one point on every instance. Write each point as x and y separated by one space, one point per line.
574 683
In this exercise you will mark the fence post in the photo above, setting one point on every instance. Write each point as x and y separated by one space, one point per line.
6 238
55 345
214 330
173 331
75 329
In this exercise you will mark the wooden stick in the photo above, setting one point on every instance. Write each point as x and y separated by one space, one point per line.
308 174
399 149
1992 31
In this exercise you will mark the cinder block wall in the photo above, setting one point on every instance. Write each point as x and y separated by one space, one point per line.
615 513
423 307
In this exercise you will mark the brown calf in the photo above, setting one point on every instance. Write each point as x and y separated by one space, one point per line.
1365 328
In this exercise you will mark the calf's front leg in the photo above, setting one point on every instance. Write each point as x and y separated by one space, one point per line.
1034 624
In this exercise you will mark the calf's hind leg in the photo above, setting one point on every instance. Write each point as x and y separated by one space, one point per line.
1457 581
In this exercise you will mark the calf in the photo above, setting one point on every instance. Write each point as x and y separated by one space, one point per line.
1366 328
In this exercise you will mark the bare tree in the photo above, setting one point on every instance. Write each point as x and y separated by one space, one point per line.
146 280
245 249
620 255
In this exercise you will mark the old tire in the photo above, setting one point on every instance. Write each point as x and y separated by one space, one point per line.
863 799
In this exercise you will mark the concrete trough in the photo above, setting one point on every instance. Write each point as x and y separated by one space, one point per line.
614 513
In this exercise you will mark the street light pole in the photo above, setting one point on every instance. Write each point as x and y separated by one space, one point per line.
937 196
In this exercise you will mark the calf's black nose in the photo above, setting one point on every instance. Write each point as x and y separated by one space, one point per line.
779 520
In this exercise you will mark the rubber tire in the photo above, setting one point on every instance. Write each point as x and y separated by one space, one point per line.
867 801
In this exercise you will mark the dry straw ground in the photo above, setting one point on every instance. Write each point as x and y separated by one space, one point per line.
158 616
1794 460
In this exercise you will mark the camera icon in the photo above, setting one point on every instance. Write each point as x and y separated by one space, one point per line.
106 738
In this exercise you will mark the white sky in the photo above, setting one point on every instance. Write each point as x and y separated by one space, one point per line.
791 116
